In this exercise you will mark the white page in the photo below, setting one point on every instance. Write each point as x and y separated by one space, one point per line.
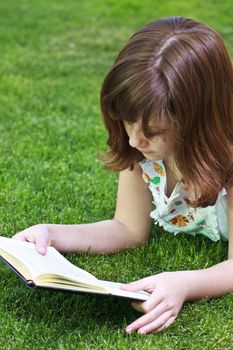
54 263
51 263
115 288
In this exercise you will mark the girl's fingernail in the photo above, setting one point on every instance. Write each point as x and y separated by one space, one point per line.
41 250
129 330
142 331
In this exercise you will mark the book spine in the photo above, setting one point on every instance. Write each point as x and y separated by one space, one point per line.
31 283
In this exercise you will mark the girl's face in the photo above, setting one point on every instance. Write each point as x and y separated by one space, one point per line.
158 147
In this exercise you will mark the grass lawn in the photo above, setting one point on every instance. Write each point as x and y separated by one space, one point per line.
54 56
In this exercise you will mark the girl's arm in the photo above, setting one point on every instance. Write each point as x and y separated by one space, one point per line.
129 227
218 279
171 289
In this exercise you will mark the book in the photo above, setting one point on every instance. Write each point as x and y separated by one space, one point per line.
53 271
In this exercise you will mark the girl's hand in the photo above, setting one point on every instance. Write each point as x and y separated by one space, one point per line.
38 234
168 295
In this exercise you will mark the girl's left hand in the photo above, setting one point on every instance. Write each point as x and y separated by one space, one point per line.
168 295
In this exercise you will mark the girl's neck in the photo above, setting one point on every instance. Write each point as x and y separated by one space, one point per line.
171 168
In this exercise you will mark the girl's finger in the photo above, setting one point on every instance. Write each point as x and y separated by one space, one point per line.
152 302
156 324
29 238
143 284
146 306
147 318
19 236
137 305
41 244
166 324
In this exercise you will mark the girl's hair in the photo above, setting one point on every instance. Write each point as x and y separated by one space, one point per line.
176 71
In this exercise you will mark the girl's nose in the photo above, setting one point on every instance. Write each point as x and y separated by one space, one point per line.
137 139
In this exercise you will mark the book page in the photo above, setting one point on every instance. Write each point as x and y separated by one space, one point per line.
51 263
114 288
55 271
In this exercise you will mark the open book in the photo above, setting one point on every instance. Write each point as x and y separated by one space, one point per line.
54 271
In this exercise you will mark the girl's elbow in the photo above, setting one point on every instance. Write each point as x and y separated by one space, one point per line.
141 240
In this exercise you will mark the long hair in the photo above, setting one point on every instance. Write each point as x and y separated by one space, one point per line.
175 70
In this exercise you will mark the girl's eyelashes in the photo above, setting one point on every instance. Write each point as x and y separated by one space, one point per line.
152 129
156 132
151 132
128 122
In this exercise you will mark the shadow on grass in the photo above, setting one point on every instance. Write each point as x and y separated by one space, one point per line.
64 310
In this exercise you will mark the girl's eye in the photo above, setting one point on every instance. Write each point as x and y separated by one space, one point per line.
155 133
128 123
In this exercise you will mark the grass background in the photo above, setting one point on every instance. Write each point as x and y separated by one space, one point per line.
54 56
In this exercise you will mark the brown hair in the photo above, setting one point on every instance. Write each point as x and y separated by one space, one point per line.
175 70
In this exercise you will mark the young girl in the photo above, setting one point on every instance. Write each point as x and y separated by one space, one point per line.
168 108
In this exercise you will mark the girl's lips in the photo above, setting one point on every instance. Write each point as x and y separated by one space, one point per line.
142 150
147 152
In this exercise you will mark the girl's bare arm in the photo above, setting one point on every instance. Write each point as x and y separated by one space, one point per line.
218 279
171 289
129 227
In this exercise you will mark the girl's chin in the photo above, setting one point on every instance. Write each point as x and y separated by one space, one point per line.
151 156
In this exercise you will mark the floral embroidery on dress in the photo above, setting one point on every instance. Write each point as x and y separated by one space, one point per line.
180 221
155 180
201 223
190 216
146 177
159 169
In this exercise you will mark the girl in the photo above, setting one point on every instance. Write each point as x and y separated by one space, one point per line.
167 105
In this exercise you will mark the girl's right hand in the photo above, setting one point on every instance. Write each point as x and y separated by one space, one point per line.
38 234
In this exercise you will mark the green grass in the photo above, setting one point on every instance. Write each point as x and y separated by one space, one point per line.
54 56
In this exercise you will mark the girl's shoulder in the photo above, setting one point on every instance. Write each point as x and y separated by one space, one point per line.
152 169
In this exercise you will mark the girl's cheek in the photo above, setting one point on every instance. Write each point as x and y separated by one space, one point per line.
165 138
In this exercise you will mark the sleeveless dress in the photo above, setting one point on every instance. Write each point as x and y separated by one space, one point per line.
175 215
